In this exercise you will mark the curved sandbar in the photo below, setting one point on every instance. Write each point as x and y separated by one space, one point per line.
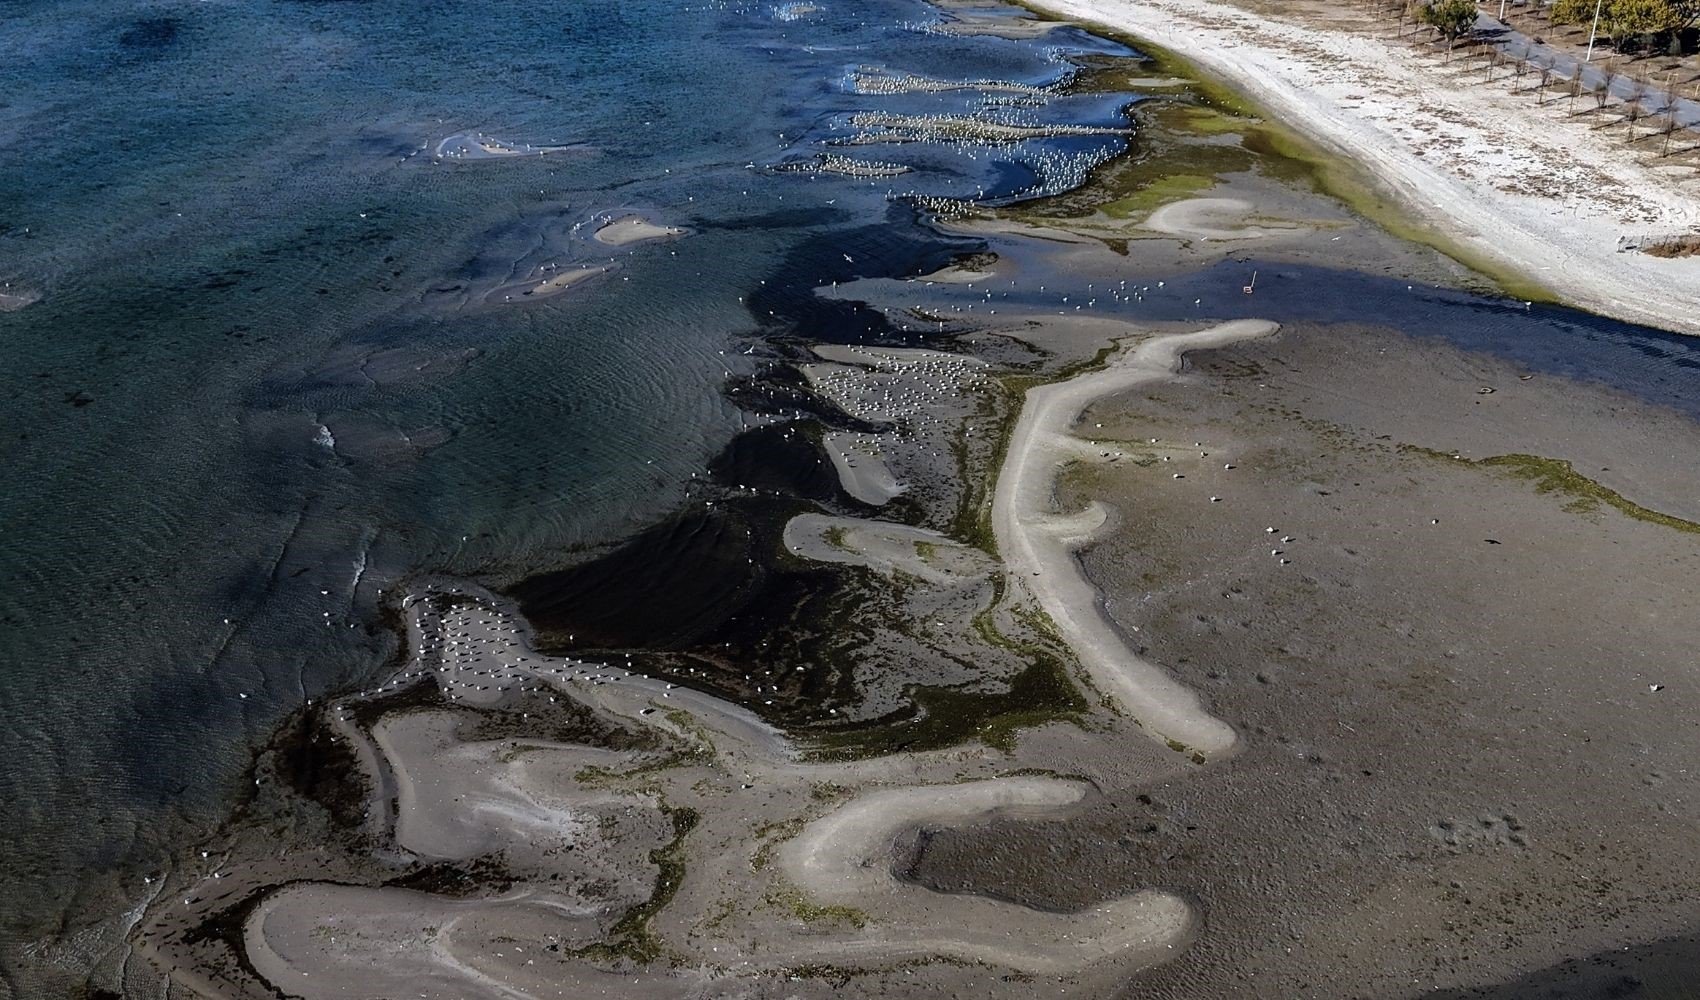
318 940
846 858
478 146
1037 542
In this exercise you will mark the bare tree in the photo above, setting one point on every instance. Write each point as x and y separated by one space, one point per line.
1670 97
1633 102
1546 79
1602 96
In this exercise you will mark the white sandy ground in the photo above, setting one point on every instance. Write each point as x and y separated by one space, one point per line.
1216 219
1038 543
955 274
465 799
886 548
632 229
1512 181
459 800
845 859
862 469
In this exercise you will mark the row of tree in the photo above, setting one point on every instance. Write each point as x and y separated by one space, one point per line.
1652 24
1641 100
1624 24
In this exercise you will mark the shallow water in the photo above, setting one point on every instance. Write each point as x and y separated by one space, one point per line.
284 358
279 364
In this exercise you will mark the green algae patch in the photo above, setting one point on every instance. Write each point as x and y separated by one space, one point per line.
631 937
944 717
1157 193
1555 475
792 899
1206 106
1558 476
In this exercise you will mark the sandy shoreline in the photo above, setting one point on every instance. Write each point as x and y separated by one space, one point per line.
1511 182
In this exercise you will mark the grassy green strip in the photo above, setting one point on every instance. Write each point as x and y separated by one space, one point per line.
631 936
1557 476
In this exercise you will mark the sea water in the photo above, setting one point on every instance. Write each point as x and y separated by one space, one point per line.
284 357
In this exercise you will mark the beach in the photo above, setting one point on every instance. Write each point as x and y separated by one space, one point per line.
1510 183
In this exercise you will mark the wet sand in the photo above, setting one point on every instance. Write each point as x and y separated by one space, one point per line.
1341 683
1461 692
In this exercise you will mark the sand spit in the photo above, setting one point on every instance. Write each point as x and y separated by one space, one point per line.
845 859
333 941
958 274
886 548
996 25
794 11
631 229
477 651
843 166
862 469
1038 543
470 146
537 286
1544 197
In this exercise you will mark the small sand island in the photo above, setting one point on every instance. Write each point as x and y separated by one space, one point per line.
546 282
11 299
473 146
630 229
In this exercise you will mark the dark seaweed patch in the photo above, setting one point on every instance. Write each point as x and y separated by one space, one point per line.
783 457
319 766
483 875
151 34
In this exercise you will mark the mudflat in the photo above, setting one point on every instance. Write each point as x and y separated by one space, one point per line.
1463 685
